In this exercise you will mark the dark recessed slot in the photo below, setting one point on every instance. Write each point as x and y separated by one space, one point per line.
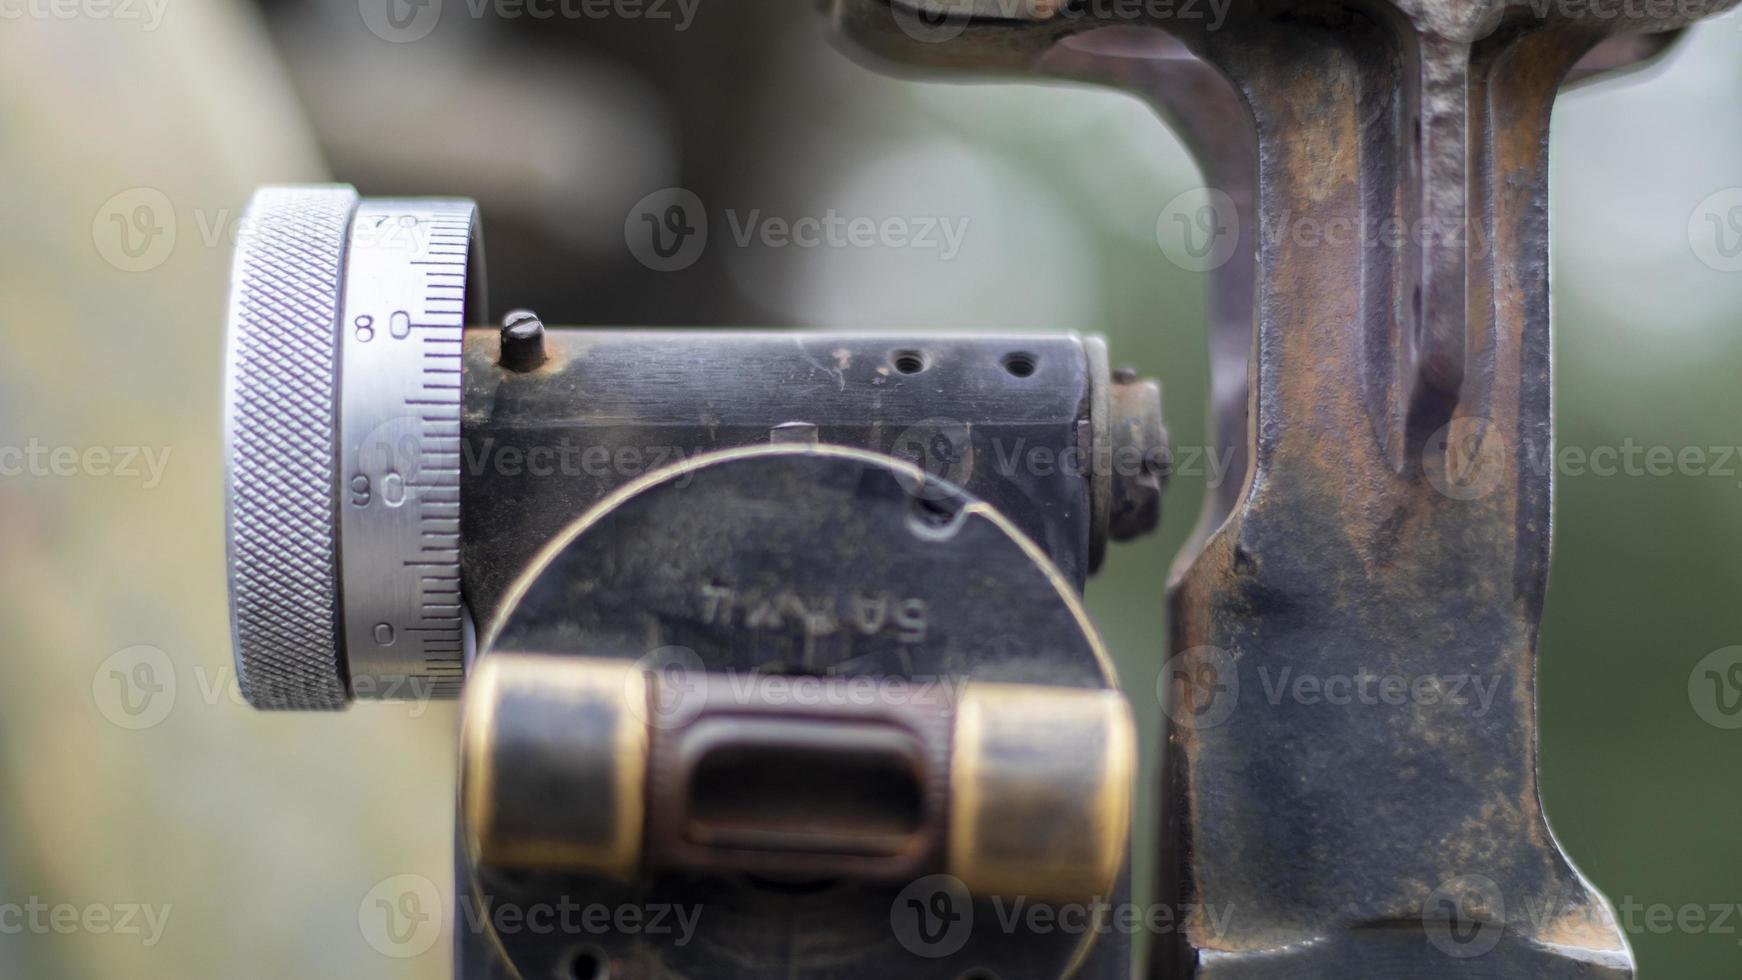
859 800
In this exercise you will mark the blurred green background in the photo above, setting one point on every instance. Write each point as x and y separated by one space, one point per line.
263 834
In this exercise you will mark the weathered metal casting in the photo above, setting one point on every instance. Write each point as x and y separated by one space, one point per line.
795 779
773 564
1205 110
851 563
1389 524
1073 452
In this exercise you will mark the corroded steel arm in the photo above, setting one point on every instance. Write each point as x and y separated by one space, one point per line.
1388 304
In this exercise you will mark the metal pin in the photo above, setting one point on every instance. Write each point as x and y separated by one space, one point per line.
522 341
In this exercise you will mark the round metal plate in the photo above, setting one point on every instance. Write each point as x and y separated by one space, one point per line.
809 560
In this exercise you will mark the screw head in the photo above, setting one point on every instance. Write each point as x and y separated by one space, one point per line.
522 341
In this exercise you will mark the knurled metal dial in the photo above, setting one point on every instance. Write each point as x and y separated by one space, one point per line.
343 394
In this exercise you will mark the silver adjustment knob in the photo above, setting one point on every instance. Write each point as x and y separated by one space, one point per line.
346 330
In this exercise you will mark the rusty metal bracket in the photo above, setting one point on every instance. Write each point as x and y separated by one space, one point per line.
1380 337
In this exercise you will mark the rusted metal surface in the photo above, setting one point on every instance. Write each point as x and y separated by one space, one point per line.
1138 446
1391 525
545 441
593 766
1204 109
593 527
780 564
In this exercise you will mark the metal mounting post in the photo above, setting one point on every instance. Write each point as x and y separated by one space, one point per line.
1388 303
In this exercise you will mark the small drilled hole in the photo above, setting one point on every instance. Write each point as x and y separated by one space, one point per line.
909 361
588 963
933 513
934 516
1020 364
